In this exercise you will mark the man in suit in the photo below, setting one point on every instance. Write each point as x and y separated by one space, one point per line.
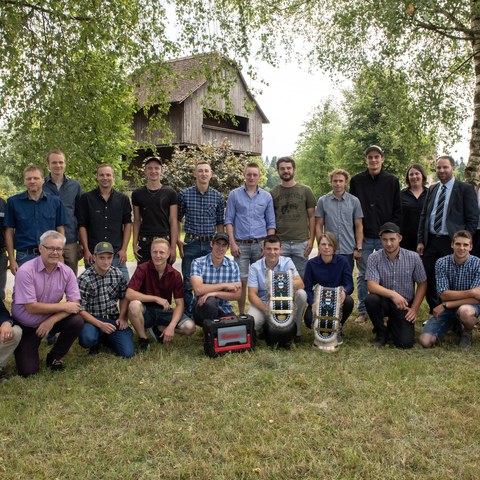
450 206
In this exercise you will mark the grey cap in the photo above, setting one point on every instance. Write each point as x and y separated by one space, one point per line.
103 247
389 227
221 236
374 147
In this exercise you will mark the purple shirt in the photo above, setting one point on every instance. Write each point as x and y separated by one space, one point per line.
33 283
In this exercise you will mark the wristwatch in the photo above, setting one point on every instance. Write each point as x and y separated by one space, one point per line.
358 249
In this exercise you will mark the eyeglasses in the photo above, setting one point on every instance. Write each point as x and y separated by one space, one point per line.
53 249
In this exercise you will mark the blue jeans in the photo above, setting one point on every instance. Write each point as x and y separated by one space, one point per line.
120 341
21 257
296 251
191 250
369 246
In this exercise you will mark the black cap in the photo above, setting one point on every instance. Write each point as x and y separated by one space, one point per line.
103 247
152 159
221 236
374 147
389 227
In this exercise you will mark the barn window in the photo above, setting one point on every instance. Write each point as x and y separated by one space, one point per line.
212 118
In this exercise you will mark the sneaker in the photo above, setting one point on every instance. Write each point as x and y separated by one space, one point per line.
298 340
362 318
54 364
143 344
380 341
340 337
465 339
156 334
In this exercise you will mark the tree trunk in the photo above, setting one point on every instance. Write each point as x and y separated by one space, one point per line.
474 158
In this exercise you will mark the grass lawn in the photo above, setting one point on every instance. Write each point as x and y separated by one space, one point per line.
173 413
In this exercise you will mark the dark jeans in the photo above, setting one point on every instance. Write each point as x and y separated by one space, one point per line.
209 310
346 312
26 354
191 250
402 331
436 248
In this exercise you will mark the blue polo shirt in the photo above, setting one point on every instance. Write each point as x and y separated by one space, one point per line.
31 218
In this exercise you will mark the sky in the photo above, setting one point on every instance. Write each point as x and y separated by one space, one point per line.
289 100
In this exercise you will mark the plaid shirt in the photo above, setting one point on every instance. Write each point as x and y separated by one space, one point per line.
450 276
202 211
227 272
99 294
398 275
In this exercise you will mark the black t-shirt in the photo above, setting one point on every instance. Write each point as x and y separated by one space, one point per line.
2 216
154 208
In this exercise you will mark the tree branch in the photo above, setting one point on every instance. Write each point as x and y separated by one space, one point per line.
443 31
38 8
460 26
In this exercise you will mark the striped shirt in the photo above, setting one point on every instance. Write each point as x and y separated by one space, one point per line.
399 274
450 276
227 272
202 211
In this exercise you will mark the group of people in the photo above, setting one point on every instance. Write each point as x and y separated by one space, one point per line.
401 240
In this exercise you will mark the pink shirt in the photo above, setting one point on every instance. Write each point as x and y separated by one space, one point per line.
33 283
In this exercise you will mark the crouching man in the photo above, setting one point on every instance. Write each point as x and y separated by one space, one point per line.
458 285
216 281
392 273
150 293
38 305
101 287
10 336
257 290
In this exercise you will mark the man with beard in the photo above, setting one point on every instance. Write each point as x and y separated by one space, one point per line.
450 206
294 205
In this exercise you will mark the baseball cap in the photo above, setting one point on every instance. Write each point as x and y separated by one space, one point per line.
374 147
103 247
221 236
152 159
389 227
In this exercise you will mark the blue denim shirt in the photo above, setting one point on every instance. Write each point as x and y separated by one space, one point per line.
31 219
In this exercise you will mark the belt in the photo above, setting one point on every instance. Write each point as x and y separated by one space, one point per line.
200 238
112 316
252 240
151 239
29 251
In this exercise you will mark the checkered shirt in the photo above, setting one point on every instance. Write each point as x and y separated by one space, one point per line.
450 276
202 211
398 275
99 294
227 272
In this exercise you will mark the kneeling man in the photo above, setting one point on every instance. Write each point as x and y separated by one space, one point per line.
458 286
150 293
37 307
10 336
257 290
216 281
391 277
101 287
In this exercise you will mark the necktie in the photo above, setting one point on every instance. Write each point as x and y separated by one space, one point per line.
437 224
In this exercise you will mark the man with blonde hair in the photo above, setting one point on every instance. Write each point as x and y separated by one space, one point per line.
150 292
340 212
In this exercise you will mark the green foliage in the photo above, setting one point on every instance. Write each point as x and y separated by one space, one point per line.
272 178
227 167
314 153
379 109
